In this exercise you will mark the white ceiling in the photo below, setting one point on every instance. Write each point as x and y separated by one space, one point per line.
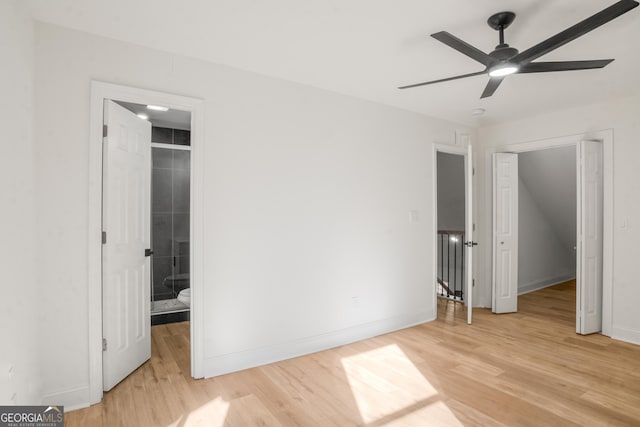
175 119
366 48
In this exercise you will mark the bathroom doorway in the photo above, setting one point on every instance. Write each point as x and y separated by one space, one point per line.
170 285
132 132
146 228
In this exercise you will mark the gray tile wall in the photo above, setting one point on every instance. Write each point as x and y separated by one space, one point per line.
170 213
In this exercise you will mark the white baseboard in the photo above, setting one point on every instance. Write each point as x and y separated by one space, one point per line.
72 398
232 362
536 286
626 335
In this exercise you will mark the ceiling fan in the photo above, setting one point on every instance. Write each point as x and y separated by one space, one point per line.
506 60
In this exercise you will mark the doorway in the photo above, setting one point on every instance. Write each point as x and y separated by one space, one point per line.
453 225
591 229
146 231
451 233
170 172
99 94
547 203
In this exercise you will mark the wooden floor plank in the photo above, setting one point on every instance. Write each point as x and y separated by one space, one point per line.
525 368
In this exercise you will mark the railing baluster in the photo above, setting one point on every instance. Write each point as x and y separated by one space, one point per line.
462 269
448 265
441 260
455 265
452 289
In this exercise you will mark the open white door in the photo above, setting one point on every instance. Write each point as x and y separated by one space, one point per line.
469 244
505 233
126 222
589 236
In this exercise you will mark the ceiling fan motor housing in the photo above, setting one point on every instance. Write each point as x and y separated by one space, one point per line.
504 52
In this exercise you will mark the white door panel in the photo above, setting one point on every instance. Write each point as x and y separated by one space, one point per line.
589 234
505 240
126 221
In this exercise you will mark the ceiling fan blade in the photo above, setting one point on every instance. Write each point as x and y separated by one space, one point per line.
545 67
491 87
463 47
443 80
575 31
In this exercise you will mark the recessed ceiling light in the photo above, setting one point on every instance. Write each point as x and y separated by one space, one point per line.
157 108
477 111
143 116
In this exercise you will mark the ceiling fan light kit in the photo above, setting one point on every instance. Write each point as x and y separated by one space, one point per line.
505 60
503 69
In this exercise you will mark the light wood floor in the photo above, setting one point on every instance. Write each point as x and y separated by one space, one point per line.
528 368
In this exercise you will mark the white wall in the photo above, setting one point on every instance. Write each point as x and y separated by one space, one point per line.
308 233
19 313
550 175
542 257
622 117
450 191
547 225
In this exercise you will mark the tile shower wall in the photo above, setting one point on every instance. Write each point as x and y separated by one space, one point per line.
170 213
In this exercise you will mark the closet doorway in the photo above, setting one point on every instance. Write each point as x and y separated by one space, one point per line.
593 188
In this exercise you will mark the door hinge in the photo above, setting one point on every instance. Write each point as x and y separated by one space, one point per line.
104 237
105 131
473 283
473 171
474 227
104 344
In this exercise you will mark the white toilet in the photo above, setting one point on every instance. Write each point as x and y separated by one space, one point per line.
185 297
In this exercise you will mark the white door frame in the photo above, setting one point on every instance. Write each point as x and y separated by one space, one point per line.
606 136
99 92
462 151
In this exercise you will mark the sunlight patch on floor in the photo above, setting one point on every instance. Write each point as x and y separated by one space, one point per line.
390 390
211 414
434 414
